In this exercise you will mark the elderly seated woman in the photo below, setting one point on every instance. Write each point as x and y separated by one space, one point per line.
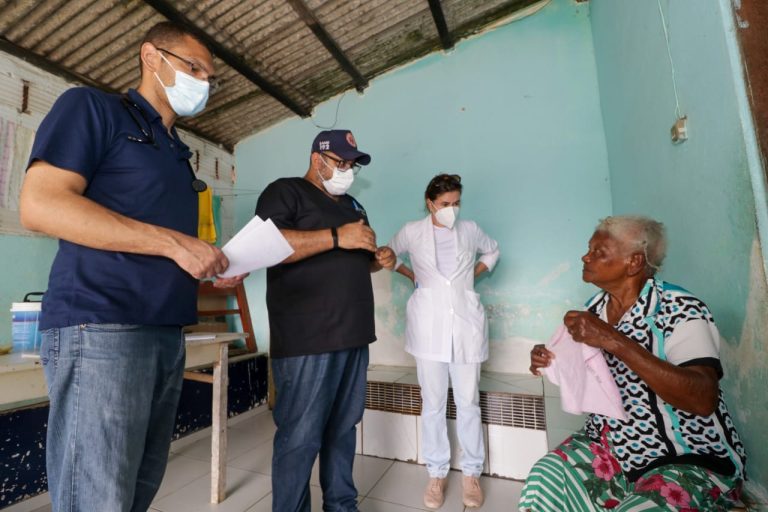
677 449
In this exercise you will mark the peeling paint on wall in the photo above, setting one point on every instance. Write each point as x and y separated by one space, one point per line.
531 154
517 318
745 362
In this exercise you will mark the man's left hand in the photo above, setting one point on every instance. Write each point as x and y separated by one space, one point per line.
386 257
229 282
587 328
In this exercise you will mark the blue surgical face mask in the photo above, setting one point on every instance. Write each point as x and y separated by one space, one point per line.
187 95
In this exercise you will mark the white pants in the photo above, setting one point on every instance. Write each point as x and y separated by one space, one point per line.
436 450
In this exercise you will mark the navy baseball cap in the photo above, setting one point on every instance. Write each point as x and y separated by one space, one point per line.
341 142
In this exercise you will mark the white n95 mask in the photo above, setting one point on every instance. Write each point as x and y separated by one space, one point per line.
339 182
187 95
447 216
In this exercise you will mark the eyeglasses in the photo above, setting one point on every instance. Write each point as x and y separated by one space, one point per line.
195 70
344 165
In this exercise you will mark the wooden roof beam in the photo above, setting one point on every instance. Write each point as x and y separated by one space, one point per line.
442 27
233 60
311 21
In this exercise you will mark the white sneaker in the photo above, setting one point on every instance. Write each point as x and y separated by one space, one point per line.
434 495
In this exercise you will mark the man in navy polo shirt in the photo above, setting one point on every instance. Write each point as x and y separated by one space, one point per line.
110 178
320 303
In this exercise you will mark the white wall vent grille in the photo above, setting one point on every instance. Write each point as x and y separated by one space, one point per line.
498 408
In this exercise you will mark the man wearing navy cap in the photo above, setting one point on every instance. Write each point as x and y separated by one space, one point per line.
320 303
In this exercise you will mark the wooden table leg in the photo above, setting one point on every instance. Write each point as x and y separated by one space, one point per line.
219 427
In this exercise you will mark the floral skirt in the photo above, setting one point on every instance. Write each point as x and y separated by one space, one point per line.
582 475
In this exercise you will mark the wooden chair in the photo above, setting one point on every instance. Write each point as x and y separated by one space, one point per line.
208 291
213 303
220 308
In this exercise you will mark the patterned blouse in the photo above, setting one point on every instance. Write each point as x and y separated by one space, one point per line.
676 327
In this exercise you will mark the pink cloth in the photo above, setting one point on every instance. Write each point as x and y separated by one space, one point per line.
586 383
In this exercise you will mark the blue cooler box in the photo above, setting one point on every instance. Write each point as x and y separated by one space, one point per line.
25 332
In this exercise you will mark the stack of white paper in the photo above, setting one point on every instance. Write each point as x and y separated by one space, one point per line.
258 245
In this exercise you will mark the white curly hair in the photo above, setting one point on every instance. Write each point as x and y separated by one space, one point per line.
637 233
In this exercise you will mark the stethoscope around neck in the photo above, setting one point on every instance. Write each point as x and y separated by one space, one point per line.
148 136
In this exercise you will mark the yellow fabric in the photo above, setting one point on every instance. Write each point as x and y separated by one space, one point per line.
206 227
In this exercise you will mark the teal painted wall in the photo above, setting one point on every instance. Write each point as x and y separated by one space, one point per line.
516 112
25 264
700 189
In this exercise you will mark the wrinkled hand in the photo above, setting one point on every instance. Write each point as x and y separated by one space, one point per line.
229 282
386 257
540 358
587 328
200 259
356 235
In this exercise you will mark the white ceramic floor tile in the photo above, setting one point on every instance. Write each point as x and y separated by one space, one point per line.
244 489
258 459
265 504
390 435
39 503
500 494
368 471
404 484
261 426
180 472
189 439
372 505
513 451
239 440
365 472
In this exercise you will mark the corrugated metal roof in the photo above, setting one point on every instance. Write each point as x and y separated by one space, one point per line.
303 51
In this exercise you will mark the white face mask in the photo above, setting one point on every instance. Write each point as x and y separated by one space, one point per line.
187 95
447 216
339 183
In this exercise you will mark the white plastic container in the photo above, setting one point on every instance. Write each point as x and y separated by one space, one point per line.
25 332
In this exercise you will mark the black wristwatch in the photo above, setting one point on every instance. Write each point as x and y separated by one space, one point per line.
335 236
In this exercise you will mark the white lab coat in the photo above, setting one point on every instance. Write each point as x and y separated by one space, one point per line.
444 311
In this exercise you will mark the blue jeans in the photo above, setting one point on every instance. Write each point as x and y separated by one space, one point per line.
320 400
114 390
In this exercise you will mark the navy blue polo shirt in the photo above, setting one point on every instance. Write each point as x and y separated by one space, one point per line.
87 131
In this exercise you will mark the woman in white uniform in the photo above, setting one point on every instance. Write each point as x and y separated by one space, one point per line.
447 331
